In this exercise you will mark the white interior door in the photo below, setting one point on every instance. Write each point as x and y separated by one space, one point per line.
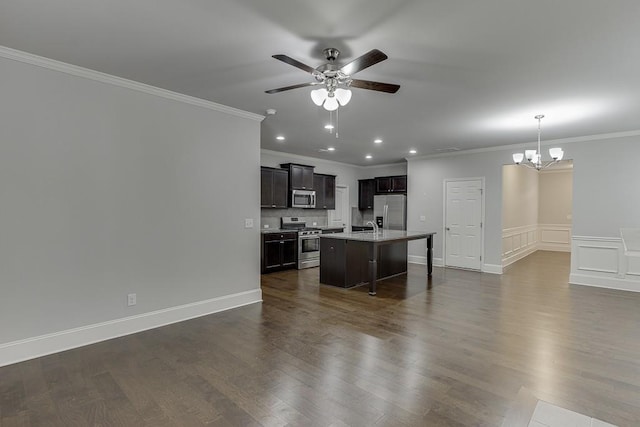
463 224
341 215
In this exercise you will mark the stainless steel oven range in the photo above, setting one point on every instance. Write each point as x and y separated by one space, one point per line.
308 241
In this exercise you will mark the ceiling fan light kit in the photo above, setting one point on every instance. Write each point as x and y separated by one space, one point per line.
336 80
534 157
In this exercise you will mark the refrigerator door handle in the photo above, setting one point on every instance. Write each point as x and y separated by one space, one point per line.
385 217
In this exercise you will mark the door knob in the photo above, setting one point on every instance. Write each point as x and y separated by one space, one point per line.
448 229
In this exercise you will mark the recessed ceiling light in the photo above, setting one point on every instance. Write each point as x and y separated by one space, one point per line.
280 138
377 141
368 156
329 126
331 149
412 151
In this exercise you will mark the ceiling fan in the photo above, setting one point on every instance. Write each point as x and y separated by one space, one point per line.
337 79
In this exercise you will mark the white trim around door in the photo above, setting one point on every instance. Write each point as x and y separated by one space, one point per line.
472 242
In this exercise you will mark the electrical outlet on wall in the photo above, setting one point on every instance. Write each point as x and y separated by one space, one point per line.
248 223
131 299
423 218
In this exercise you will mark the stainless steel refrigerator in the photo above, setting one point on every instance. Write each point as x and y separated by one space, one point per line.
390 211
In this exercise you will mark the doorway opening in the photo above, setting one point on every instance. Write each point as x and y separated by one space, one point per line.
536 210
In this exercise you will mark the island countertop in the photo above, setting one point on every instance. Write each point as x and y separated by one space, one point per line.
381 236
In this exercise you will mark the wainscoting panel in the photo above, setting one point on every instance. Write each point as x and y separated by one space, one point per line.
518 242
633 265
555 237
600 261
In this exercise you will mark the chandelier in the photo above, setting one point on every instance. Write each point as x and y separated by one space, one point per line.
534 158
331 96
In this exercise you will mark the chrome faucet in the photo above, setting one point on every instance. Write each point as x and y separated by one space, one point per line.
375 226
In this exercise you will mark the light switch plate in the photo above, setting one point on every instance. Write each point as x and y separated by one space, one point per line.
248 223
423 218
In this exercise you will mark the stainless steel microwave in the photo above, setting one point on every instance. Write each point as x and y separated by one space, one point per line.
303 199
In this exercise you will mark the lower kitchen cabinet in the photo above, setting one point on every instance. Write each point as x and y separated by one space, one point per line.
279 251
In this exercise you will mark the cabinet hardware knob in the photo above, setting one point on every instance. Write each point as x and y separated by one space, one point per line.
448 229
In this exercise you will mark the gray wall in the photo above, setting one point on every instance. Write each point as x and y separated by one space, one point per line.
425 197
106 191
605 178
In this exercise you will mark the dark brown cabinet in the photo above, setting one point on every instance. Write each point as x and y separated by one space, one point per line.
366 191
274 188
345 263
300 176
325 188
391 184
279 251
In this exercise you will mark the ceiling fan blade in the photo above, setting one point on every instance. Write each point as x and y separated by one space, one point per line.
367 60
380 87
288 60
282 89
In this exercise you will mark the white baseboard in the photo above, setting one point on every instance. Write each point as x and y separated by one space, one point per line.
554 247
518 256
605 282
439 262
417 259
492 268
30 348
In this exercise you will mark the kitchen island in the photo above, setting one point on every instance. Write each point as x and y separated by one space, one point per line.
351 259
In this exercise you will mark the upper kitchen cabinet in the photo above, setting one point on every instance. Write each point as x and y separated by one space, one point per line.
366 191
325 187
274 187
391 184
300 176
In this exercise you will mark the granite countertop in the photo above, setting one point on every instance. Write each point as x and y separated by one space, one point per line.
381 236
273 230
285 230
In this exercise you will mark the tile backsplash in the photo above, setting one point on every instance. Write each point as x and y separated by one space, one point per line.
271 217
359 217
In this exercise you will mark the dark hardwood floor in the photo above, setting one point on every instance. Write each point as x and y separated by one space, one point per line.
453 353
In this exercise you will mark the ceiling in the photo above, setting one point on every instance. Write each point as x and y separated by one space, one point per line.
473 74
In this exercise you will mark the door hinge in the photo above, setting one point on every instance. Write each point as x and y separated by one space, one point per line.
480 224
480 257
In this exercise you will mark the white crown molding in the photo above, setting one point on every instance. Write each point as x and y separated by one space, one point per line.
586 138
30 348
86 73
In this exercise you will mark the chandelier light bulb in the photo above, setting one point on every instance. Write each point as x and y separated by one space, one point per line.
556 153
518 158
529 154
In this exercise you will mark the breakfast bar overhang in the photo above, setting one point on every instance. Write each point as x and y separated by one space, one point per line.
351 259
